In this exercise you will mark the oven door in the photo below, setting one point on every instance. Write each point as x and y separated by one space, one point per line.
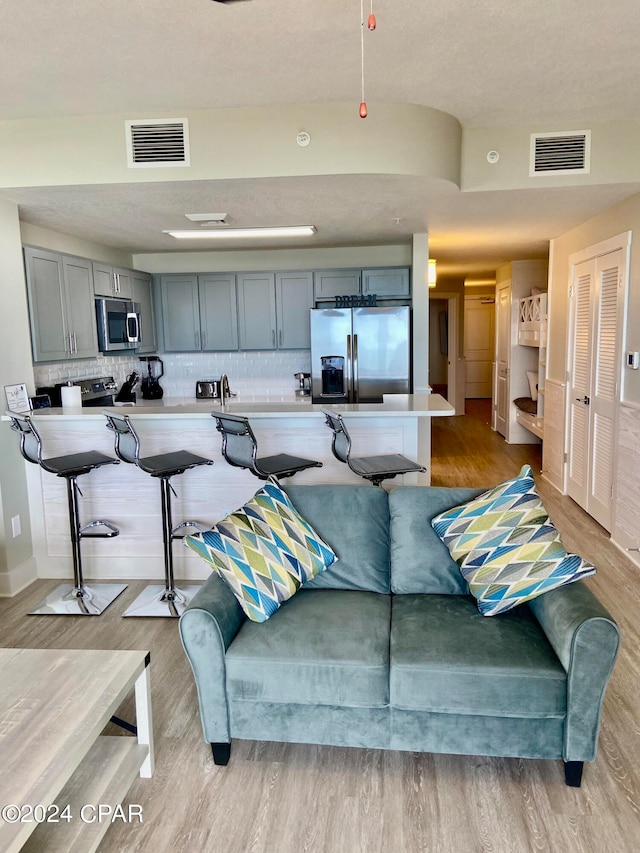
118 324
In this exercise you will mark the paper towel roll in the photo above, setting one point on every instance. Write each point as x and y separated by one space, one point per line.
71 396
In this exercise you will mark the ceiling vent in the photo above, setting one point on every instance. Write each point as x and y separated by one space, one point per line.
560 153
157 142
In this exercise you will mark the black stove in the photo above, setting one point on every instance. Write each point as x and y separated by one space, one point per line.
94 392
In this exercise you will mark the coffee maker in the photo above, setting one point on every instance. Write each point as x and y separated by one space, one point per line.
150 385
304 384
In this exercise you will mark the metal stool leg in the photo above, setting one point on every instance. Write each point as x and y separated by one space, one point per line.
78 599
169 600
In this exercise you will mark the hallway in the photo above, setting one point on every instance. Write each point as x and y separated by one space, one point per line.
465 451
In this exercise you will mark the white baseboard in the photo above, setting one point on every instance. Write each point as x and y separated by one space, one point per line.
14 581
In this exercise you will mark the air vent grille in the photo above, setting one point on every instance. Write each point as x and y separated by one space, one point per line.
157 143
560 153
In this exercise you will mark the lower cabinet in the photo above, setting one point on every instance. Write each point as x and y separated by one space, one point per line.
61 306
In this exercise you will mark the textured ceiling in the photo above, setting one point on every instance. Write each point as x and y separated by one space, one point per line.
487 63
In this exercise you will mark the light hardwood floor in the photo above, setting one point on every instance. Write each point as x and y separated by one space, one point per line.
284 798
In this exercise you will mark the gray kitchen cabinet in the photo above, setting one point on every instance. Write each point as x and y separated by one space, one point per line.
61 306
180 313
112 281
328 284
257 311
199 312
218 312
142 291
294 298
387 282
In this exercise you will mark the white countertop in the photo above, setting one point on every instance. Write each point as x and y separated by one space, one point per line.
394 405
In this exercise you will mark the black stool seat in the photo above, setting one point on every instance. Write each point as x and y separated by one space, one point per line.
168 464
283 465
75 464
383 466
240 449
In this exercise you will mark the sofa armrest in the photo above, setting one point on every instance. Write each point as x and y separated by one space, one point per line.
586 640
207 628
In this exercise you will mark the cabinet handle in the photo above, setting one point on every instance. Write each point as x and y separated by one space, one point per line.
70 350
75 344
197 340
204 340
273 337
280 337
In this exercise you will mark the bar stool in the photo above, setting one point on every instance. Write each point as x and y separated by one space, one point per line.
372 468
240 449
77 599
158 599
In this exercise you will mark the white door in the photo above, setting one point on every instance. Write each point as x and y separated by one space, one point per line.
596 321
479 344
503 338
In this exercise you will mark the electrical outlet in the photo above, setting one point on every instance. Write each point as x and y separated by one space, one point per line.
16 527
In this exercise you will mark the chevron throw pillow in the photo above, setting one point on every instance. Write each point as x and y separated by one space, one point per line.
507 547
264 551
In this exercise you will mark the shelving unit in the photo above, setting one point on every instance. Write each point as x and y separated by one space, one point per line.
532 332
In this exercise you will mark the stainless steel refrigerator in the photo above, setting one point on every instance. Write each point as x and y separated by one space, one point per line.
359 354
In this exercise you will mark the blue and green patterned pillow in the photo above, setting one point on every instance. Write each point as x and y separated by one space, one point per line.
507 547
264 551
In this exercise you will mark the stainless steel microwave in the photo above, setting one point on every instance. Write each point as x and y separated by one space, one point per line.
118 324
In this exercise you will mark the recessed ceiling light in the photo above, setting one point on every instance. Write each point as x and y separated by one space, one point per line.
223 234
206 217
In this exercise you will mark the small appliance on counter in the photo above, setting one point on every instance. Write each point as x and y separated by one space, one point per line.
214 389
304 384
127 395
150 384
93 392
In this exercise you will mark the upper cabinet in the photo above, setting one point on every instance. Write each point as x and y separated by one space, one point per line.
331 283
180 313
112 281
61 306
386 282
142 293
199 312
294 298
218 312
273 310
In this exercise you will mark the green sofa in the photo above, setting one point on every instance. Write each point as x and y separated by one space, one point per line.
387 650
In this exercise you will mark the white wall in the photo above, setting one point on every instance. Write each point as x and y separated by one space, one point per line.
15 367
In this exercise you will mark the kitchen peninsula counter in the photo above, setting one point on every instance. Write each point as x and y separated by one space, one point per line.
130 499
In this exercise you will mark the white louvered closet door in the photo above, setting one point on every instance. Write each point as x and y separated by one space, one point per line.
580 383
594 376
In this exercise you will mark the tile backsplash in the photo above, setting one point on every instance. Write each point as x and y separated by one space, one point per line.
251 374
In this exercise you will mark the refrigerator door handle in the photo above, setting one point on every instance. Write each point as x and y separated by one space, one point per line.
349 365
356 381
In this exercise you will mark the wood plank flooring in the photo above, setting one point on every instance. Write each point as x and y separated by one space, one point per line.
287 798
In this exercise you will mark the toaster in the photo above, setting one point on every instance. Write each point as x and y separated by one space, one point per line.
208 389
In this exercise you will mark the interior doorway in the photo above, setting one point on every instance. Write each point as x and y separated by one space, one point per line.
479 345
439 346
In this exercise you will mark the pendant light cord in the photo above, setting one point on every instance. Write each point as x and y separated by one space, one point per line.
362 45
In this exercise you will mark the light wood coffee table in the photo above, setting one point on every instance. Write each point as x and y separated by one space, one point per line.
53 705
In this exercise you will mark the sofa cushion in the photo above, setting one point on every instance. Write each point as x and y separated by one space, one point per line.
507 547
326 647
264 551
447 658
420 562
355 521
